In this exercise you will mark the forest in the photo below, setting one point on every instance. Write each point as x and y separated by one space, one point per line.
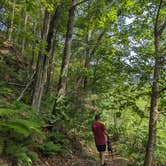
64 61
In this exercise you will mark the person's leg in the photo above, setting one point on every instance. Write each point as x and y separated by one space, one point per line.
102 158
101 149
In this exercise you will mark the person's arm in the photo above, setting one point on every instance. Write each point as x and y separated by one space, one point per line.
105 132
106 135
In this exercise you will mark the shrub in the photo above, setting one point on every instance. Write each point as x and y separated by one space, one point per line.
19 127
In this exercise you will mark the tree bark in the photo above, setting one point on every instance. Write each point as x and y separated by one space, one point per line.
33 48
154 95
52 46
51 66
10 30
41 69
43 58
25 28
66 56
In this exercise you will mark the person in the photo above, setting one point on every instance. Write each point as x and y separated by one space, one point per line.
100 137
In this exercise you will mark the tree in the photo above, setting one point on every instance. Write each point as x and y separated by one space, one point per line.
66 56
43 57
10 30
159 26
41 70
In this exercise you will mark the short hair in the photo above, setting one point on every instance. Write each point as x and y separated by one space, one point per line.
97 117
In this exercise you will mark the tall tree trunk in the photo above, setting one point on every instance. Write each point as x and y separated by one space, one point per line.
41 69
25 28
42 65
33 48
155 93
66 55
10 30
51 66
52 45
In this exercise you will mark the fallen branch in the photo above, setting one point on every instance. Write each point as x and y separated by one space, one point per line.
26 87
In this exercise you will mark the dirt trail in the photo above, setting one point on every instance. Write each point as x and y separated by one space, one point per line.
76 161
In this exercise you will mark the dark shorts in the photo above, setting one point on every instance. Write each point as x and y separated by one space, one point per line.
101 148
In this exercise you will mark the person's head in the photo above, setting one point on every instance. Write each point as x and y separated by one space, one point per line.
97 117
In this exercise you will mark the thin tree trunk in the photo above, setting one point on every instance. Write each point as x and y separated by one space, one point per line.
153 113
25 28
33 48
43 59
154 96
52 45
53 27
67 52
10 31
51 66
66 56
41 70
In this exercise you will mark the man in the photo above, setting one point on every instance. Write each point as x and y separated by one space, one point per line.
100 136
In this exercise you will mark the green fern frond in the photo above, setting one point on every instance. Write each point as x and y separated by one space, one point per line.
18 128
38 131
18 152
23 158
7 112
23 127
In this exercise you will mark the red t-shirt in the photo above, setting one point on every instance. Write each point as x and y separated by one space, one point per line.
99 133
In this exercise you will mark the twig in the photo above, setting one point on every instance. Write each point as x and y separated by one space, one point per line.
13 83
162 112
162 27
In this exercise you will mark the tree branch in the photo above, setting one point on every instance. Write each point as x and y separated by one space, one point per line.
157 18
162 112
162 27
28 84
98 42
77 4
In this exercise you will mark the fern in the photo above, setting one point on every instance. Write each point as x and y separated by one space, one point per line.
23 127
19 128
50 148
20 153
7 112
23 158
19 125
33 155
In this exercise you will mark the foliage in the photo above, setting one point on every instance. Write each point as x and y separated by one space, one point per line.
116 40
57 143
18 131
49 148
